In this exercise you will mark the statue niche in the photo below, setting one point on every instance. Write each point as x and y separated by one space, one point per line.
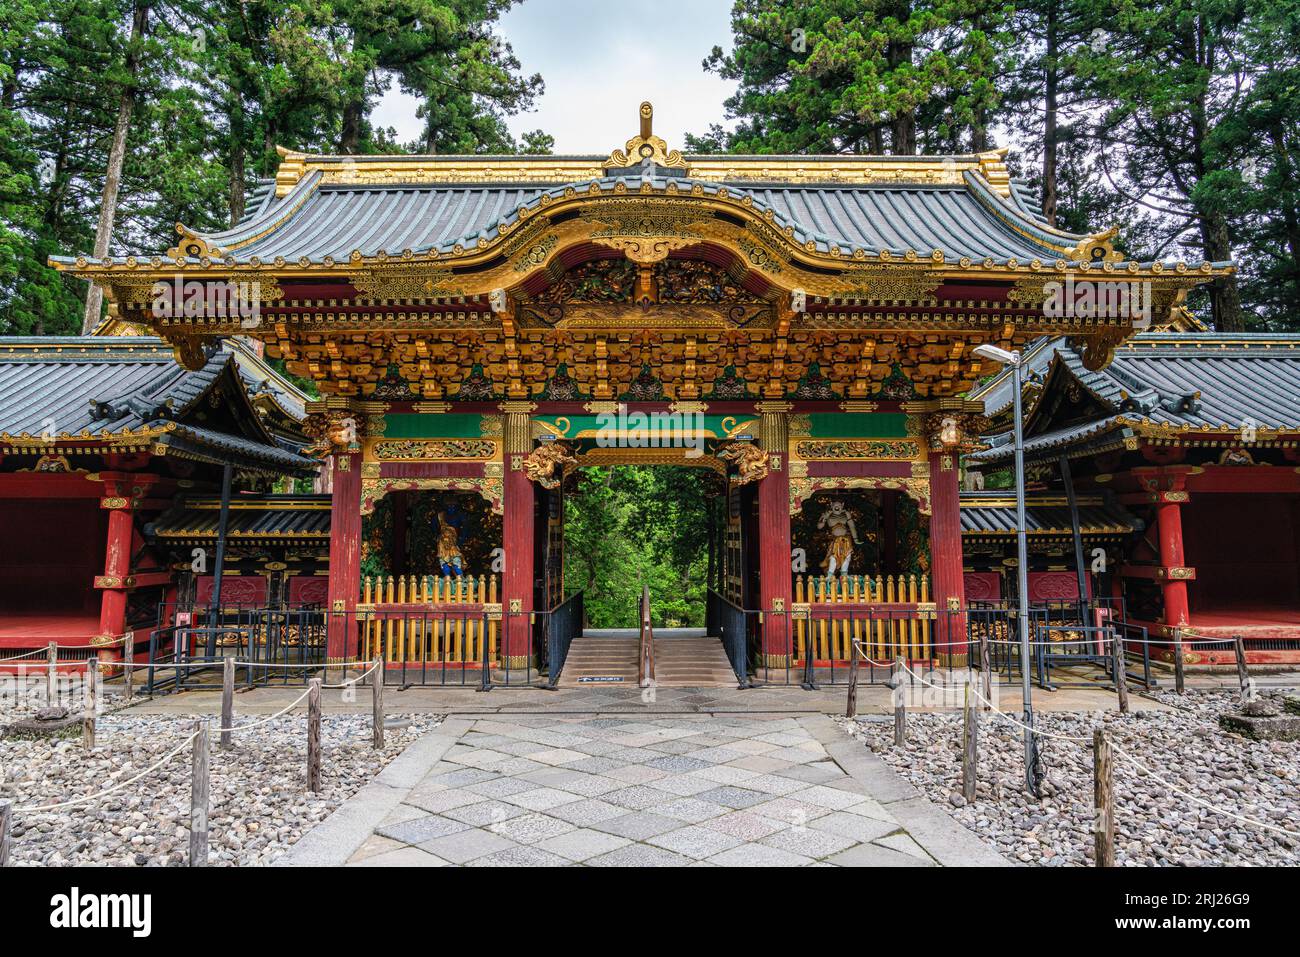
838 521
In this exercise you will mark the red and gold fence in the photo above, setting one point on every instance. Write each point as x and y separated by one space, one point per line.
889 616
428 619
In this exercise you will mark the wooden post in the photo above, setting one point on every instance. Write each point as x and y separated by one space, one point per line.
128 663
313 735
51 678
970 745
1103 801
986 671
227 700
851 706
90 695
377 689
900 713
1242 674
1179 674
1121 670
5 817
199 796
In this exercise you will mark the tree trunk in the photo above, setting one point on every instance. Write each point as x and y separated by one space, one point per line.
897 53
350 139
1290 217
116 156
1225 297
1049 119
236 178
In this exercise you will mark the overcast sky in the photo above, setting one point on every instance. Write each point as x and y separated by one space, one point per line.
599 61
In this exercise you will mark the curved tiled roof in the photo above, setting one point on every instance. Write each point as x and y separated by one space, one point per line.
79 388
268 517
315 220
989 513
1207 383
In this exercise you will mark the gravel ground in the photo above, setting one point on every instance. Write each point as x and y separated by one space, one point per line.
1153 825
259 802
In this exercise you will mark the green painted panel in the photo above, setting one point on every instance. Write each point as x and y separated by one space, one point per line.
588 426
415 425
859 425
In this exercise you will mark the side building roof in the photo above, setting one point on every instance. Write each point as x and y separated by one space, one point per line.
127 393
1172 386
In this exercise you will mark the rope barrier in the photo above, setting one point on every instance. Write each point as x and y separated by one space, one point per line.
233 729
117 787
240 728
1192 797
1119 750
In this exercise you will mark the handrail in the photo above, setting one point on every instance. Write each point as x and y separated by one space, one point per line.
563 624
645 672
730 622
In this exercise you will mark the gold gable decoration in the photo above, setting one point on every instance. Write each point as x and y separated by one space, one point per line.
646 146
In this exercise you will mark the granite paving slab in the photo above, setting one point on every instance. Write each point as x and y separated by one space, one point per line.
660 790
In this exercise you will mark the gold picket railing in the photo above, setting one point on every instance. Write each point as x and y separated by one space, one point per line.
422 624
429 589
882 633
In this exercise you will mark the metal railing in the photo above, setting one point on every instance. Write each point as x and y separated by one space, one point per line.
189 635
728 622
563 623
645 653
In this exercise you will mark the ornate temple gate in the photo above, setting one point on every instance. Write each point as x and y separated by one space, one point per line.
462 315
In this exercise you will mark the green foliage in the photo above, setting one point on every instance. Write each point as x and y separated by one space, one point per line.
1177 120
830 76
633 524
217 85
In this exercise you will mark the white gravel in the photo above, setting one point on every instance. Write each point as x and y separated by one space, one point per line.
1154 826
259 801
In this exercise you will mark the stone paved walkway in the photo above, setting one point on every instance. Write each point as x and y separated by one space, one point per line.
612 790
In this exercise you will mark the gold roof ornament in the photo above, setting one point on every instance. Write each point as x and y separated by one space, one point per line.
645 146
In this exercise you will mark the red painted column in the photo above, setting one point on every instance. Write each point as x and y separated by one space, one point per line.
518 534
776 590
1169 523
117 563
949 591
345 555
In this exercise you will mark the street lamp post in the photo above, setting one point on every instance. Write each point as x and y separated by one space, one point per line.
1014 361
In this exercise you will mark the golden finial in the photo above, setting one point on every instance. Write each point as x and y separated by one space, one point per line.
645 146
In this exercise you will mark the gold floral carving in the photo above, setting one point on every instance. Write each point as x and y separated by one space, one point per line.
373 489
404 281
435 449
918 489
889 284
900 450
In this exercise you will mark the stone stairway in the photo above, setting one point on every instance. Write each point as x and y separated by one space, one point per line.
601 657
684 658
694 662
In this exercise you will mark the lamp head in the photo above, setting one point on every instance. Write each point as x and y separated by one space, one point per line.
1000 356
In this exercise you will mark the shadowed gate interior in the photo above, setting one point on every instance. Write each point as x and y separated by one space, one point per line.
646 507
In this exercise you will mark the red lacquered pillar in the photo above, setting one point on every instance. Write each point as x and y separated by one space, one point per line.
949 592
345 555
775 579
114 583
517 541
1173 587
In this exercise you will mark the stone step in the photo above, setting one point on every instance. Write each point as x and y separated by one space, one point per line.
679 662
